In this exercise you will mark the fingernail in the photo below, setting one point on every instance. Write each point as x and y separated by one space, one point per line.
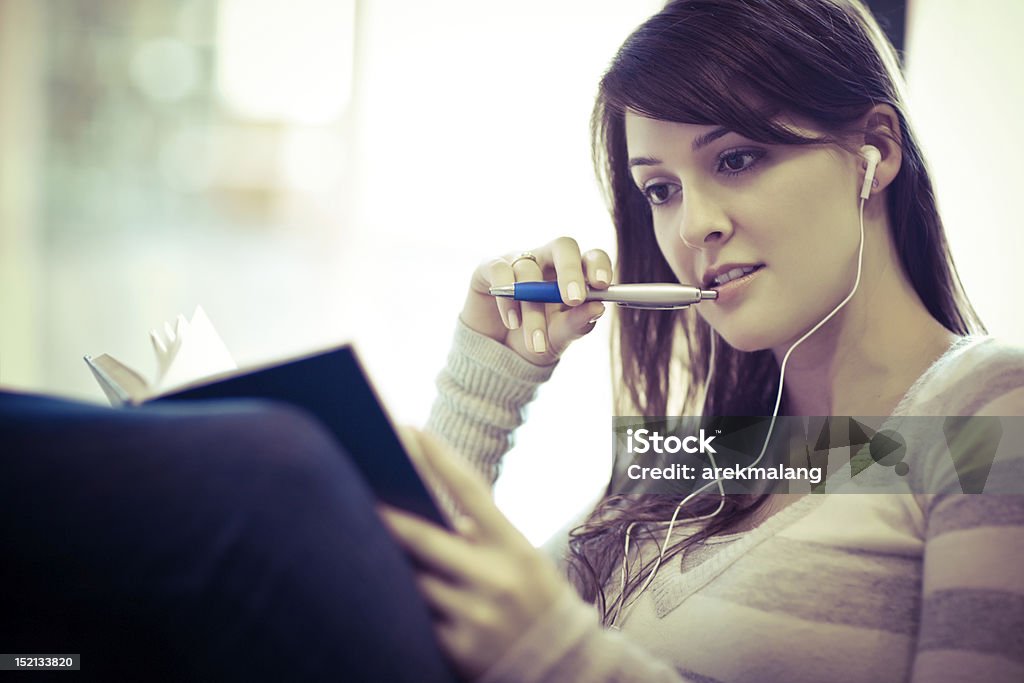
574 292
538 341
596 317
601 276
513 320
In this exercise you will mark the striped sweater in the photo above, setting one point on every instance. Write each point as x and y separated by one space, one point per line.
838 588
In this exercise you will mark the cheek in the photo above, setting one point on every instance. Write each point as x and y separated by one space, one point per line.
810 208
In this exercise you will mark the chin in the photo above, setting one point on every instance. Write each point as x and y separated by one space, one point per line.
749 336
748 343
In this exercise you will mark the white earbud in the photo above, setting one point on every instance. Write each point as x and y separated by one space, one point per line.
872 156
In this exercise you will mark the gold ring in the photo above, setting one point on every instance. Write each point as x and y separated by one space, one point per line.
525 256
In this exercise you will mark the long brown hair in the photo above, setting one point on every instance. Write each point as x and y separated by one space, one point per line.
736 64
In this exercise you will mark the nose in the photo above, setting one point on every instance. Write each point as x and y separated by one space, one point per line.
703 221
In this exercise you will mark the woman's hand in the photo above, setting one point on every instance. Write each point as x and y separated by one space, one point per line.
485 584
539 332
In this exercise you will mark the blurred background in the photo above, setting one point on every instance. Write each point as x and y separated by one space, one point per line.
319 171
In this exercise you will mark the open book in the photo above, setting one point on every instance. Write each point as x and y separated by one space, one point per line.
329 385
191 352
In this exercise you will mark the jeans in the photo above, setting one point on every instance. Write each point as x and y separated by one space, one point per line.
210 540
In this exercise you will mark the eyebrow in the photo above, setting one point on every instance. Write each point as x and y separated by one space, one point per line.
698 142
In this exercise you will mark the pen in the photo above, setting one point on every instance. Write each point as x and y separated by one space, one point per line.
654 296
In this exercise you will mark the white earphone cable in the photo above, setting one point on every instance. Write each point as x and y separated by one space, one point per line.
620 606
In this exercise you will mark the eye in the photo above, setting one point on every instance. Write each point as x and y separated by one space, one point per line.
738 161
660 193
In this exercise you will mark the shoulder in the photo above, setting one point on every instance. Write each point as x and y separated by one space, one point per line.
981 375
1008 404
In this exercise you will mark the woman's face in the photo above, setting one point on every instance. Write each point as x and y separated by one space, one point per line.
718 198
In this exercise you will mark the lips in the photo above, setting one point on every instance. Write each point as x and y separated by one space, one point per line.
713 273
733 291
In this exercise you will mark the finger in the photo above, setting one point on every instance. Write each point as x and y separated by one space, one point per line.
575 324
500 273
431 546
468 489
565 254
443 596
456 640
534 320
598 266
461 524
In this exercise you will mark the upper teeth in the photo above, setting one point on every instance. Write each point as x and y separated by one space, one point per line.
733 274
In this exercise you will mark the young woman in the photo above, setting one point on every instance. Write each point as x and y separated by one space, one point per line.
734 134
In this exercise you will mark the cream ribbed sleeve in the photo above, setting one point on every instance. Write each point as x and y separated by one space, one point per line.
482 396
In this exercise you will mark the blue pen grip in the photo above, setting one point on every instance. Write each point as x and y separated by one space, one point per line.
540 292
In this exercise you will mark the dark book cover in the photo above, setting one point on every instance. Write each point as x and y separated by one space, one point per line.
331 386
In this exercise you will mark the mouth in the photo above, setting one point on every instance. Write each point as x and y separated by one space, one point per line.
715 283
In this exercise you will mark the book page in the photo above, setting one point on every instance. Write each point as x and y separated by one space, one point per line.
196 352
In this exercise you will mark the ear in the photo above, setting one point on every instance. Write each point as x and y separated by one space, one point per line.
881 126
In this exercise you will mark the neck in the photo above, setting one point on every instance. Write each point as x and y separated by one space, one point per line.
863 360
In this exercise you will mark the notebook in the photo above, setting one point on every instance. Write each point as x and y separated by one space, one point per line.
330 385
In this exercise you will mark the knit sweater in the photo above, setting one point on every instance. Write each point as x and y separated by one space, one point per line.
843 588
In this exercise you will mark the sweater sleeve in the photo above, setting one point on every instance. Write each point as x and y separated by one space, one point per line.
482 396
568 643
972 610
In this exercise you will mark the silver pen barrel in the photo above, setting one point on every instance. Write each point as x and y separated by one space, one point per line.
653 295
